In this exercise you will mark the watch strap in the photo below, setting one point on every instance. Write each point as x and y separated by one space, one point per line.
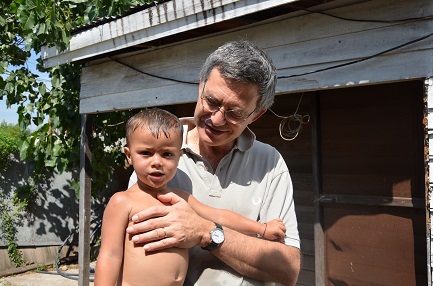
213 244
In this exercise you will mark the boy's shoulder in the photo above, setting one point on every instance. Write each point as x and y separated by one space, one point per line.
120 198
129 195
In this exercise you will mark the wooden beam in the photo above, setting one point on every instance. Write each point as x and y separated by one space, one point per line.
319 236
428 153
418 203
85 195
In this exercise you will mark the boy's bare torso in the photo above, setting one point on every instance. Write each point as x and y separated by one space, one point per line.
160 268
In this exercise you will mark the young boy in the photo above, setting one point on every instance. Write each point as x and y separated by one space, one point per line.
154 139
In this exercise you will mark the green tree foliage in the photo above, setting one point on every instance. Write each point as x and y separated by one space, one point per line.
27 25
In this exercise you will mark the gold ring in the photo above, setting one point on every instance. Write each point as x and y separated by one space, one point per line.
165 234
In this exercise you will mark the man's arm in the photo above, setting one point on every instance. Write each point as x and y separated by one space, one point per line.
260 259
272 230
252 257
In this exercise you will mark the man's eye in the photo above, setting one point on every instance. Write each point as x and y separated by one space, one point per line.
212 102
235 114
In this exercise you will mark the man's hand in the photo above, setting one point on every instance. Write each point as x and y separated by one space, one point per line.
175 225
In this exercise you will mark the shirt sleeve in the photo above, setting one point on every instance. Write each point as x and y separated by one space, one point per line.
279 203
132 179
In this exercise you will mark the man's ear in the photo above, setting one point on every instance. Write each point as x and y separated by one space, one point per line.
127 154
259 115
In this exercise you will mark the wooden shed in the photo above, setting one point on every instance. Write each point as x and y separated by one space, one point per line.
361 71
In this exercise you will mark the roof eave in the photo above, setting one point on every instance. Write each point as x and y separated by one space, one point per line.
146 26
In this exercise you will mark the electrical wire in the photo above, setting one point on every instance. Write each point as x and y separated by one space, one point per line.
366 20
287 130
152 75
360 60
291 125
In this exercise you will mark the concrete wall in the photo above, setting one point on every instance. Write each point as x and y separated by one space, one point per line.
52 216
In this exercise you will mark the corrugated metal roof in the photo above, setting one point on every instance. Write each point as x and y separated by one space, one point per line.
103 20
167 21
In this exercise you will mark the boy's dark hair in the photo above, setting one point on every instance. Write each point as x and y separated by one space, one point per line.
156 120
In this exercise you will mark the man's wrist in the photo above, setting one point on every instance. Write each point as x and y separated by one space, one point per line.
217 238
205 238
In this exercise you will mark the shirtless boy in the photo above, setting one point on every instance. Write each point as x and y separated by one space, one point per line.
154 139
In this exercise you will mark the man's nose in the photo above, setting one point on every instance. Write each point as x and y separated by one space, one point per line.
218 118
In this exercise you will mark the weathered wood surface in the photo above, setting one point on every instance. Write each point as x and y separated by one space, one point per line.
297 45
156 22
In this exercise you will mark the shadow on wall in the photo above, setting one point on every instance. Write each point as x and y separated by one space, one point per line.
51 216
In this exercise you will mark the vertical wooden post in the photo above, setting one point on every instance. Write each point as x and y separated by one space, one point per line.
428 155
85 195
319 237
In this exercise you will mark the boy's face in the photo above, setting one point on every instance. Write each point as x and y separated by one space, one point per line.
155 160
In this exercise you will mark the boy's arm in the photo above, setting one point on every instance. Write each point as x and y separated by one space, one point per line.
273 230
114 223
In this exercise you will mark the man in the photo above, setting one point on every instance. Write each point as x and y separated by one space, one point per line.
225 167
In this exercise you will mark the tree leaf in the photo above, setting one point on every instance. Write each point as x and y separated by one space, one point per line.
27 18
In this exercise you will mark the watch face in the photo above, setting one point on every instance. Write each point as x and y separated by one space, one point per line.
217 236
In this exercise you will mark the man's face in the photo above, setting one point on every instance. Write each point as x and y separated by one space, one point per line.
214 129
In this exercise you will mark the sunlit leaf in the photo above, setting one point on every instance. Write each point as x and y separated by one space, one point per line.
27 19
23 150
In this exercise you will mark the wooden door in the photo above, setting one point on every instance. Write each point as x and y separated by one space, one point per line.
371 190
359 186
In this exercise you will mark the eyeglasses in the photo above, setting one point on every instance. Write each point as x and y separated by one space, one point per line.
230 115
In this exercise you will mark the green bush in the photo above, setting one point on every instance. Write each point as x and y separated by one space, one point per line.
9 138
11 210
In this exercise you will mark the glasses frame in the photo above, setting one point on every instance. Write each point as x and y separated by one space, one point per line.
220 108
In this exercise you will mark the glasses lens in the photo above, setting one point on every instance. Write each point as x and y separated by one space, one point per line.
234 116
209 105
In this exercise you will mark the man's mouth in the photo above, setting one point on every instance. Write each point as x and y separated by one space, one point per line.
212 129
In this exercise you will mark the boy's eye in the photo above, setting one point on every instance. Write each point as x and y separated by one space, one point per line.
145 153
168 154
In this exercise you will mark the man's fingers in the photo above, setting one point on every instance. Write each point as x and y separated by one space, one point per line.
153 224
171 198
168 242
157 211
156 234
151 212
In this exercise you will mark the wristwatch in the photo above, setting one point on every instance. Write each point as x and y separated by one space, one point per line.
216 236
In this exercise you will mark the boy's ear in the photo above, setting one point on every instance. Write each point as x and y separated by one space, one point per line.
127 154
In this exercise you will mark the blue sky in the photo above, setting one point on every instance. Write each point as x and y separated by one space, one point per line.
9 114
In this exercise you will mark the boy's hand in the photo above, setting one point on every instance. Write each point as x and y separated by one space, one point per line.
275 230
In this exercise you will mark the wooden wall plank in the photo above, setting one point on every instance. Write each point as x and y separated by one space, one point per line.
327 43
159 21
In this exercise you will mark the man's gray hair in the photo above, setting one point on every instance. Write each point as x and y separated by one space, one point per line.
242 61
